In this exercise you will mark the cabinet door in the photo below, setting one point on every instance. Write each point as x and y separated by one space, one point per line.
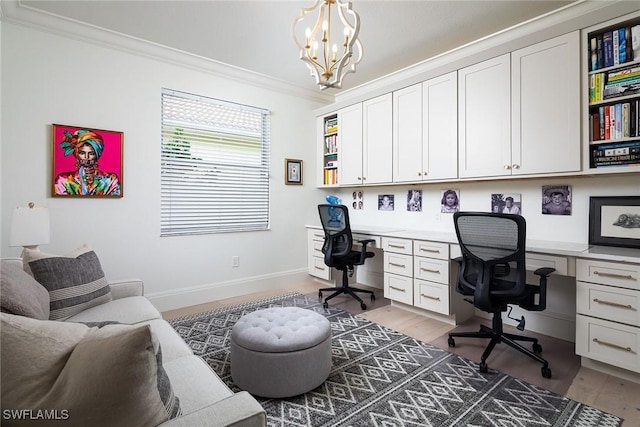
350 145
376 141
484 118
440 127
545 91
407 134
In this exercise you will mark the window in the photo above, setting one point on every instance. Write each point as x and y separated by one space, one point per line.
214 166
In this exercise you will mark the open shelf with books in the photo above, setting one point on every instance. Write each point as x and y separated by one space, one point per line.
613 63
330 150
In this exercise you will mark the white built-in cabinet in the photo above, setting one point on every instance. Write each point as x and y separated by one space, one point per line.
364 142
519 113
425 135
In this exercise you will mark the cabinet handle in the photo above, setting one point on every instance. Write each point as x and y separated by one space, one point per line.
617 276
397 265
319 268
397 289
359 178
430 297
608 344
364 177
428 270
615 304
516 166
507 167
391 245
435 251
419 173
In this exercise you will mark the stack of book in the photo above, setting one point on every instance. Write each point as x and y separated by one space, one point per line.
331 125
627 153
614 83
615 121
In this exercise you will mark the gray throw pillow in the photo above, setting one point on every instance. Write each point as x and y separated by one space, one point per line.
21 294
109 376
74 283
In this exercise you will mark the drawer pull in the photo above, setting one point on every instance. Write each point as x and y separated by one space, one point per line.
428 270
615 304
430 297
617 276
397 265
398 289
391 245
435 251
608 344
319 268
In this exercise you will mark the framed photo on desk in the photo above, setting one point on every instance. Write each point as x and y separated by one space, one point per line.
614 221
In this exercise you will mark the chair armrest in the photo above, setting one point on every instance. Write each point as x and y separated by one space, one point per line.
126 288
457 259
544 271
241 409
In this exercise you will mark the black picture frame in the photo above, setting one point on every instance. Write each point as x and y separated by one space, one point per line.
614 221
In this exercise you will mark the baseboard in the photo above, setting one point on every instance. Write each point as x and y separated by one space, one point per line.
610 370
194 295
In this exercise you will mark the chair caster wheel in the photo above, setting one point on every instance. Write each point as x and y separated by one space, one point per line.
319 294
537 348
373 297
546 372
484 368
363 306
325 304
451 342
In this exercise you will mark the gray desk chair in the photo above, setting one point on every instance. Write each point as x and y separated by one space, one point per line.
338 252
492 270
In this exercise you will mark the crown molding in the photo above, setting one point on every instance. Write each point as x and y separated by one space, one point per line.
14 12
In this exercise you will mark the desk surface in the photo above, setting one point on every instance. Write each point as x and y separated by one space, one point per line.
571 249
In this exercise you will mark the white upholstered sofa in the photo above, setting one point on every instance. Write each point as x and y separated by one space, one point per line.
204 400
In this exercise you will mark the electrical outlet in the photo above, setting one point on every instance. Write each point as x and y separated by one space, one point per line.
235 261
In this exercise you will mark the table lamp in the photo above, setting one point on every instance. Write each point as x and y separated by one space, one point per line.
30 226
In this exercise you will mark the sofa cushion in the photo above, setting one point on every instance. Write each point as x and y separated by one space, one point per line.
21 294
129 310
173 347
195 383
74 283
98 376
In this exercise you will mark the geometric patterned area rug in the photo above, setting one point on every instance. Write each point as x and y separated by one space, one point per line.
381 377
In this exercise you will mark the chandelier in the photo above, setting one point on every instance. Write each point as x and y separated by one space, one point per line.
329 46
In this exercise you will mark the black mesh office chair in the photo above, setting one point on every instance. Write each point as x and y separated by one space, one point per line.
492 270
338 252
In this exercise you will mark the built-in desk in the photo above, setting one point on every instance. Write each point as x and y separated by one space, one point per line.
593 297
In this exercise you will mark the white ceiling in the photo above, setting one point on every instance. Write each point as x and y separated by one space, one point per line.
256 35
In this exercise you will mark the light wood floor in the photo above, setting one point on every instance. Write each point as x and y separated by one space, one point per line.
605 392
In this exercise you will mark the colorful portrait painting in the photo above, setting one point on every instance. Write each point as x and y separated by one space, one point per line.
87 162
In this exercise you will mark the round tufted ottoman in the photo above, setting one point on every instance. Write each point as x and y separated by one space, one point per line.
280 351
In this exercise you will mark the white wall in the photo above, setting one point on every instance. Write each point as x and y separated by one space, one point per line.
49 79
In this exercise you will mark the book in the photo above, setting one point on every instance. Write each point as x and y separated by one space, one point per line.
635 35
594 54
599 50
622 45
601 117
616 47
618 122
607 123
626 124
607 47
633 120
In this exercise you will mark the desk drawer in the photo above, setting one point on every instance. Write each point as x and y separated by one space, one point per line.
608 273
431 296
399 246
316 234
318 268
398 264
608 302
317 248
398 288
434 270
431 249
613 343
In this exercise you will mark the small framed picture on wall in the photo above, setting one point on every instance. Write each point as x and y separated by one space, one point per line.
292 172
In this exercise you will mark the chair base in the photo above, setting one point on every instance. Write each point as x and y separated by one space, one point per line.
497 336
345 289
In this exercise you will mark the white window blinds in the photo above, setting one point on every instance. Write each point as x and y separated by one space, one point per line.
214 166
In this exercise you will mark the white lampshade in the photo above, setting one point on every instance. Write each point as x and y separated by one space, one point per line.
30 226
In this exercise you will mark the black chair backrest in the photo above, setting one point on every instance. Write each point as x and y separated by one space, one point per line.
337 231
493 256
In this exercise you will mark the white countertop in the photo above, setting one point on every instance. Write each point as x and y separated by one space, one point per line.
571 249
